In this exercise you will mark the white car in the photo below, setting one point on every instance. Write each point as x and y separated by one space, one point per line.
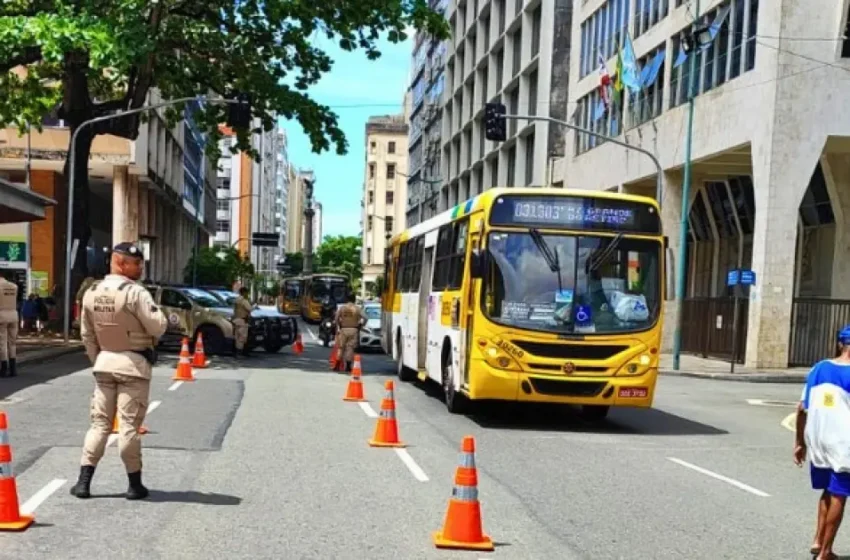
370 335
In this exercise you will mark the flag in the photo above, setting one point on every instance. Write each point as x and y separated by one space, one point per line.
630 72
681 57
652 69
617 95
715 26
604 78
599 110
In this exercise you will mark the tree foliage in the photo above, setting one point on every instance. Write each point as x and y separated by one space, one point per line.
295 261
91 58
218 266
340 254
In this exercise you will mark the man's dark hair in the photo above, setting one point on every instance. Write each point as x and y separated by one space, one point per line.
244 291
350 297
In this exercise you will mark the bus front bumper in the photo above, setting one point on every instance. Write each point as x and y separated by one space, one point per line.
624 391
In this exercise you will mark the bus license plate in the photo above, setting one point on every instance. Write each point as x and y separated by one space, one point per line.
632 392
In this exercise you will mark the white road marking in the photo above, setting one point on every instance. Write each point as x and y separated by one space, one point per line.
725 479
367 408
28 507
415 469
114 437
176 385
762 402
313 336
790 422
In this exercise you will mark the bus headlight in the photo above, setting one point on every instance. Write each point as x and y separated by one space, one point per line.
496 357
636 366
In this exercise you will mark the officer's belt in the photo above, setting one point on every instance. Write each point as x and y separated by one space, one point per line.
149 354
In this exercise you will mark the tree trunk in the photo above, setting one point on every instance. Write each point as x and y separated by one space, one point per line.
80 228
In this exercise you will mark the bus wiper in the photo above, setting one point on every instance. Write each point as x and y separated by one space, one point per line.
550 257
606 252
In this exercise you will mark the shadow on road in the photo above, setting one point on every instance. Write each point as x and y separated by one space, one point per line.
183 497
42 372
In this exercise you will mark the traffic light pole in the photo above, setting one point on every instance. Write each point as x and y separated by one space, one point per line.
659 182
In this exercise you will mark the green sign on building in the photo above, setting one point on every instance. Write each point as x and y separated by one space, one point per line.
13 253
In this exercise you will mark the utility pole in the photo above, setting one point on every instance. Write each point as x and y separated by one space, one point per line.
681 264
308 226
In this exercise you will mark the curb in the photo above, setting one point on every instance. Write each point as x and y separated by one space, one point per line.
39 357
795 378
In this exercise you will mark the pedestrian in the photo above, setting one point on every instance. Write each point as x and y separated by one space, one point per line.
349 320
120 327
823 436
8 328
241 317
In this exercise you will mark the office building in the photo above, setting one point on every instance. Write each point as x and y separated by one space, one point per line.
511 51
384 191
295 204
771 160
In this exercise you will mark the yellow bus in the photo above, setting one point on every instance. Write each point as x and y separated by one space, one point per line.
531 294
291 291
319 286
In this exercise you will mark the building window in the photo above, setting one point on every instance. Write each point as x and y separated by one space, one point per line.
535 31
373 147
389 197
648 103
368 255
845 45
371 170
222 226
222 204
371 197
388 224
391 147
529 159
390 171
369 223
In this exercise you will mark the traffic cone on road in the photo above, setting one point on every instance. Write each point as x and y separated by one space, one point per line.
334 359
199 358
462 527
142 430
298 346
386 430
184 366
10 512
354 393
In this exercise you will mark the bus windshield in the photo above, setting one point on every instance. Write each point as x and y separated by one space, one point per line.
572 284
292 290
324 287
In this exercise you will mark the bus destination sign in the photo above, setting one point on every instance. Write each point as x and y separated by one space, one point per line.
572 212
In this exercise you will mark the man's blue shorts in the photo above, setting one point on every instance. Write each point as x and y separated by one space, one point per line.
837 483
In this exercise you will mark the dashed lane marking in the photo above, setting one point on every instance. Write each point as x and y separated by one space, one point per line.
176 386
367 408
411 465
789 422
726 479
151 407
39 497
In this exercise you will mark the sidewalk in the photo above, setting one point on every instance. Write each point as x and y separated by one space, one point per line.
693 366
33 349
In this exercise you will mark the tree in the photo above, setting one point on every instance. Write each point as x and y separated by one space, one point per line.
79 59
379 285
218 266
295 262
340 254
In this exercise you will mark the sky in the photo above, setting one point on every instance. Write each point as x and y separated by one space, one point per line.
373 88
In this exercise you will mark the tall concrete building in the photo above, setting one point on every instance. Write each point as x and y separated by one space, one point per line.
295 212
384 190
428 80
513 52
157 190
282 183
771 161
248 197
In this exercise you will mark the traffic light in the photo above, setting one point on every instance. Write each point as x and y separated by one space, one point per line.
495 127
239 113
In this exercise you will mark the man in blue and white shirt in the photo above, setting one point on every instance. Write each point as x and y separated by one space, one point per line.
823 436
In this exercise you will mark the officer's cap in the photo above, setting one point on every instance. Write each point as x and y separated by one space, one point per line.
844 336
128 249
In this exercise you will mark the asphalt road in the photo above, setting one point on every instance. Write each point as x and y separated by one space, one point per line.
264 460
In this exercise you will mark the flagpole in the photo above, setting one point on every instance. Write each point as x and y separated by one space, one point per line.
686 196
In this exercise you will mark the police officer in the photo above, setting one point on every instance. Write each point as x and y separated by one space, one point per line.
349 320
8 327
120 328
241 316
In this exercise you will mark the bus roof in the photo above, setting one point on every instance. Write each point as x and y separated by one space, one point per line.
477 201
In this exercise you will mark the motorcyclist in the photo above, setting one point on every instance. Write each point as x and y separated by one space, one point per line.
328 313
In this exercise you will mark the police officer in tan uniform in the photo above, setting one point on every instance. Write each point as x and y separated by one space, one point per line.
8 327
120 328
241 316
349 320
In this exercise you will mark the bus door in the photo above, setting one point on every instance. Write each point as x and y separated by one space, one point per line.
424 308
468 310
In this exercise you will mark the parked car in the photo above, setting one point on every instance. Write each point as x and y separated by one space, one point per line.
193 310
269 326
370 335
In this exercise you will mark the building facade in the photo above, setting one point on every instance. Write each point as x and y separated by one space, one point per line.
156 191
511 51
295 204
771 160
384 191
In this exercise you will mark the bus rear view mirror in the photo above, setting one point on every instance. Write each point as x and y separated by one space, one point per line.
669 274
478 263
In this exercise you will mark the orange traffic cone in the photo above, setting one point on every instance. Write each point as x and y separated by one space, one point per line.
184 366
199 358
355 385
10 512
298 346
462 527
142 430
334 359
386 430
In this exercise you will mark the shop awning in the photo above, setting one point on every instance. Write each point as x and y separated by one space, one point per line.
19 204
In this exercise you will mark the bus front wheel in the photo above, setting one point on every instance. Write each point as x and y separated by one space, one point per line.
455 402
594 413
404 374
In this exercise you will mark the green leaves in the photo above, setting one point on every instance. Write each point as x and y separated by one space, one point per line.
340 254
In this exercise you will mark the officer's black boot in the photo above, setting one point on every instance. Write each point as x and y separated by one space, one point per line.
4 369
82 489
137 490
13 367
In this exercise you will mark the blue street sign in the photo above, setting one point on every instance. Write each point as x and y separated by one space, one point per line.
733 277
748 277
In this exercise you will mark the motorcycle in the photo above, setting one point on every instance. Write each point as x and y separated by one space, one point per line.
326 331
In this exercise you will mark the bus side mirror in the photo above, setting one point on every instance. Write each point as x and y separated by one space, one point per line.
669 274
478 265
